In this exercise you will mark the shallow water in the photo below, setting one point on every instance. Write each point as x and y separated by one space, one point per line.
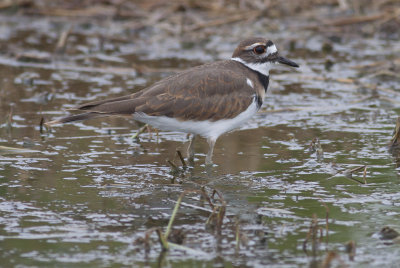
91 191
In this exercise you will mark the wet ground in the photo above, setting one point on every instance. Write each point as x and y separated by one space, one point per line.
89 192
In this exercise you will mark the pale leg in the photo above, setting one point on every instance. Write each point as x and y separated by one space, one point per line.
190 149
211 143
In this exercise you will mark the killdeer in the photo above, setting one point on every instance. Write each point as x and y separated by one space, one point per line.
208 100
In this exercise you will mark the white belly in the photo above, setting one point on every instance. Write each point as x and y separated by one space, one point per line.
207 129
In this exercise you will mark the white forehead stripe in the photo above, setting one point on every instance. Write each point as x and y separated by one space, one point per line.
262 68
271 49
249 82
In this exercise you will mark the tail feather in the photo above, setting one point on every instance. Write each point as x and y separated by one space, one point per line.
73 118
94 104
122 106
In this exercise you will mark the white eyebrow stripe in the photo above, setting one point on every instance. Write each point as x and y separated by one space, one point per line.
254 45
271 50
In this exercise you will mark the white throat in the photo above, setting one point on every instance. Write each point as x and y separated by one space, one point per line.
262 68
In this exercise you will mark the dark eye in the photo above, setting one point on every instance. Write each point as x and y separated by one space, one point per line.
259 50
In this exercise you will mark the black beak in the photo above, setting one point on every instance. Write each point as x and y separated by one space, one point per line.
285 61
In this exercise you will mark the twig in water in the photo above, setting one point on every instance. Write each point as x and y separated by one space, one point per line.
41 125
351 249
220 218
313 235
330 256
315 146
237 236
211 218
9 120
149 131
62 41
13 150
396 135
175 169
162 239
181 158
221 210
173 215
326 222
140 131
365 175
147 240
356 169
349 173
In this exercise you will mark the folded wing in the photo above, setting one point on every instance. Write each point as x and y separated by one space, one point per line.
208 92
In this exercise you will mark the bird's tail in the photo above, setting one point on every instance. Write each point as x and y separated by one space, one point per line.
72 118
121 106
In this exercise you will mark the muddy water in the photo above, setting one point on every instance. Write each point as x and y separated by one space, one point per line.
91 191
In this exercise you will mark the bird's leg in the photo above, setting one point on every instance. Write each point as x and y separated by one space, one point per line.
190 149
211 143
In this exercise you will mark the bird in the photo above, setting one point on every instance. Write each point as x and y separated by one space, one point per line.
207 100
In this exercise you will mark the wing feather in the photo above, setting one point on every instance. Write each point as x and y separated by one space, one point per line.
208 92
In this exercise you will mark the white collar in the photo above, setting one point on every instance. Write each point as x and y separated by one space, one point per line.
262 68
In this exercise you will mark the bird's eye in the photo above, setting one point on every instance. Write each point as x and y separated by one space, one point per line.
259 50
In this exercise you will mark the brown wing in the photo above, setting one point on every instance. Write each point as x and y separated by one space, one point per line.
212 91
208 92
